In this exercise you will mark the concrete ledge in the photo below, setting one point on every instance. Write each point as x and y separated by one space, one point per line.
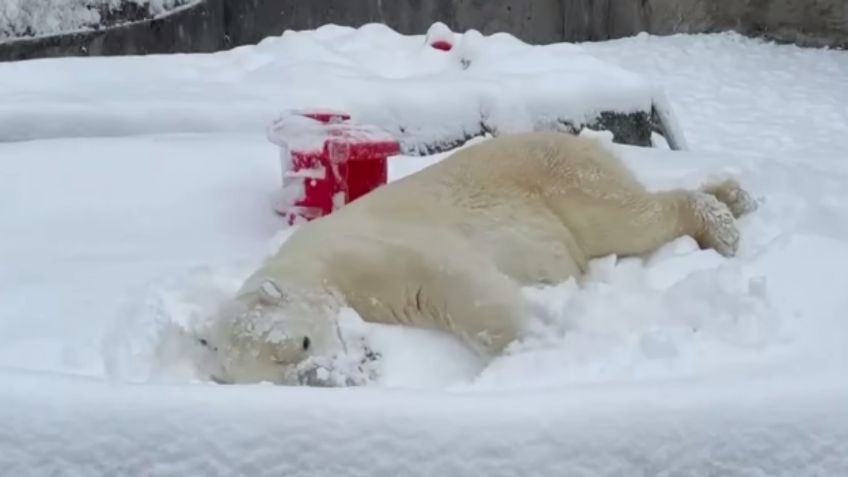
633 129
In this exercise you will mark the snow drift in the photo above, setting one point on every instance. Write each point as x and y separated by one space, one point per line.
429 99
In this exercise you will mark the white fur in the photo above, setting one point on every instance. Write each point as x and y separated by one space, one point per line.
450 247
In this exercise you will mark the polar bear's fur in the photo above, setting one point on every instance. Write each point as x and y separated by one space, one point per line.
450 247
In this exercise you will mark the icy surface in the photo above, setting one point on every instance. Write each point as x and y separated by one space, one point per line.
27 18
685 363
423 95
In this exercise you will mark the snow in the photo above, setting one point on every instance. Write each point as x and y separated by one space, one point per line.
806 113
684 363
484 83
666 429
27 18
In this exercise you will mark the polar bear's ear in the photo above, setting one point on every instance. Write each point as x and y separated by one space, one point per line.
270 293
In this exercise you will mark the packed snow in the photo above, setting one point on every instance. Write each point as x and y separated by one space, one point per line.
124 222
29 18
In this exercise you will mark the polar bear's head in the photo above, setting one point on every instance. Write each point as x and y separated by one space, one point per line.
265 333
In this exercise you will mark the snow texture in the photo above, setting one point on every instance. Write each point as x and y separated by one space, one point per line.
425 97
682 363
27 18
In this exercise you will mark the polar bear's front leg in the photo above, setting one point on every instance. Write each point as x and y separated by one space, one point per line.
481 305
452 288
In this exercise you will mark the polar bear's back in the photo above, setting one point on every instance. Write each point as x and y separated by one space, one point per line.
553 196
516 166
529 192
513 172
536 162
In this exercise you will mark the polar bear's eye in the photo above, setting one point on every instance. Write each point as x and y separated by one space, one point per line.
306 343
205 343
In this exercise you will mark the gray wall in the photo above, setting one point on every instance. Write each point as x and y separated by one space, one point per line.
805 22
535 21
217 24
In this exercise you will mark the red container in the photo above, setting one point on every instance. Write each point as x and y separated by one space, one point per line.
328 162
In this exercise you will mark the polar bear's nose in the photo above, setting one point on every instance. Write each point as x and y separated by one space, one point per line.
306 343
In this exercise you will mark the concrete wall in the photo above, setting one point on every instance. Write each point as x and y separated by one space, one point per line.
216 24
535 21
809 22
805 22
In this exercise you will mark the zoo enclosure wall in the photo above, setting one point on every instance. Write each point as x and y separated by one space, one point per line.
212 25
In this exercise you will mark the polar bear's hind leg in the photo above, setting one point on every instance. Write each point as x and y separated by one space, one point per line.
610 212
713 225
737 199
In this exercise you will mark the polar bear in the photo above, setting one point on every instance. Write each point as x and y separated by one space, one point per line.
450 247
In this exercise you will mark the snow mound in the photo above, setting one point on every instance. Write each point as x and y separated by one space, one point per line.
685 315
426 97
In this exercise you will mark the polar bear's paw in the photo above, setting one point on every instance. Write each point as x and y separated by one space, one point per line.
717 224
355 369
737 199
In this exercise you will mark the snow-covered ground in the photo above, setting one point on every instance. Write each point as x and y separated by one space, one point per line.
28 18
685 363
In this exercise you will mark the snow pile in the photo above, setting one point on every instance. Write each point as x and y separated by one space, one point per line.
483 84
426 97
28 18
58 425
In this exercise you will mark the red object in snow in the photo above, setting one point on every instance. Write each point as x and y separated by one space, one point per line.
441 45
439 37
328 162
